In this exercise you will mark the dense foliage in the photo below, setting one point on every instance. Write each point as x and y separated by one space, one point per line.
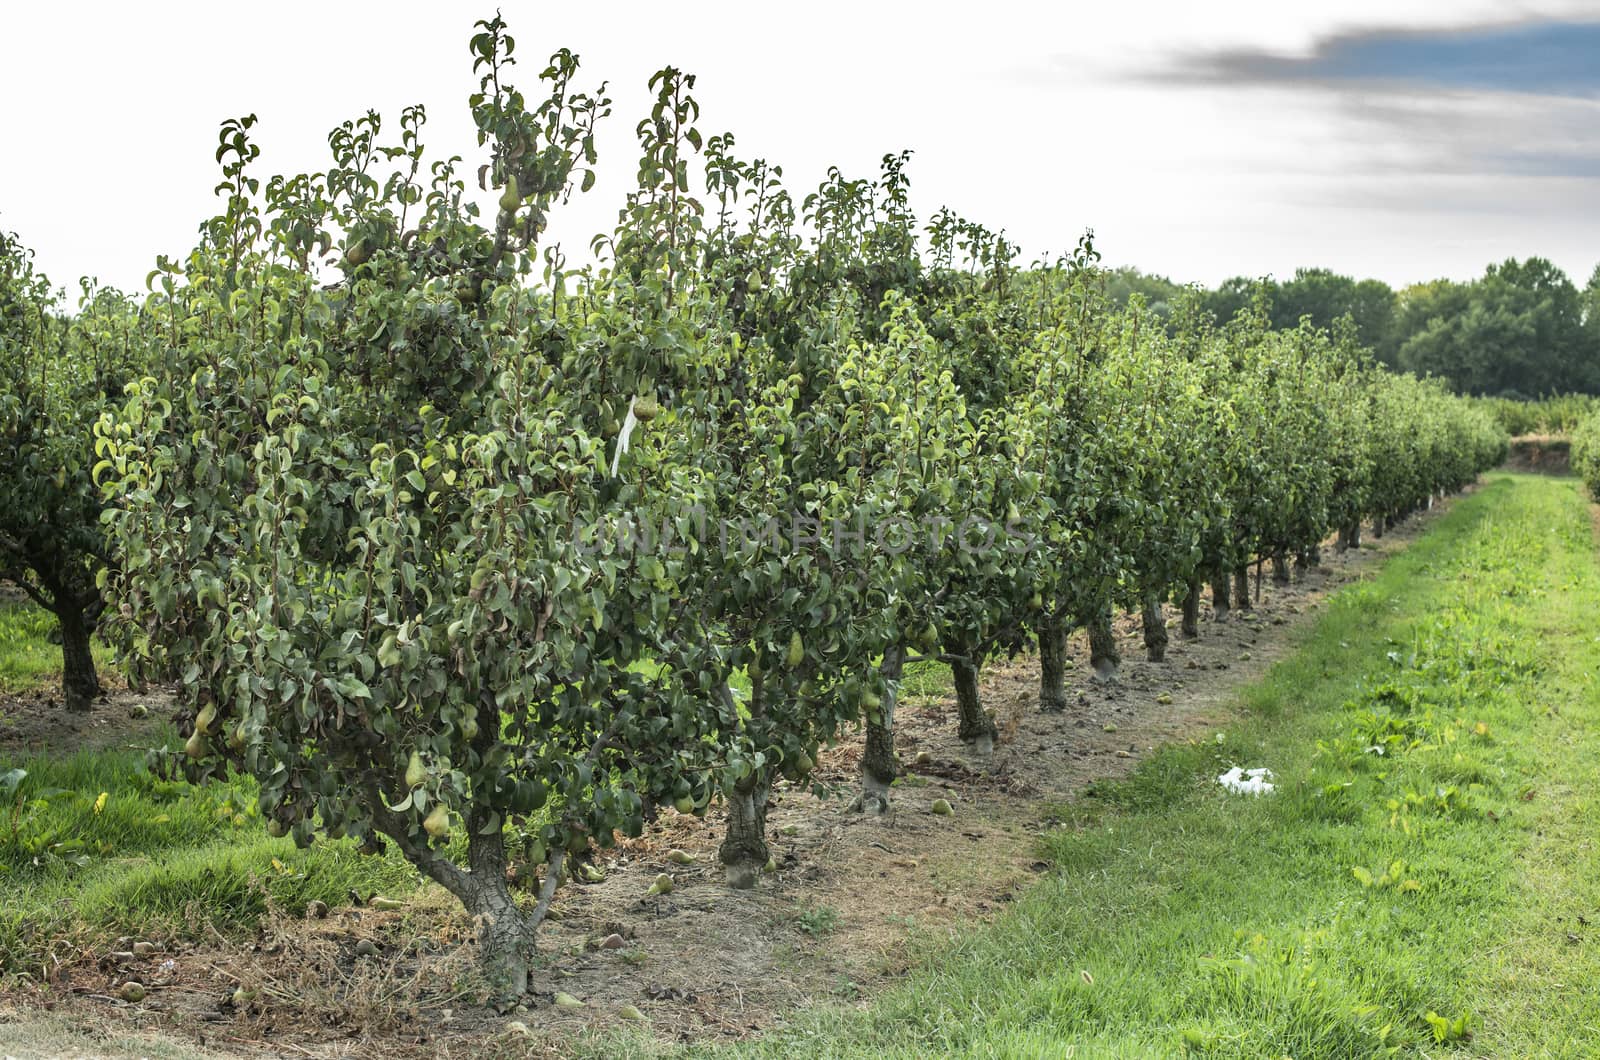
453 547
1586 452
58 372
1554 415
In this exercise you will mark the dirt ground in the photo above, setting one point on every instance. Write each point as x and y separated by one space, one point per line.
839 920
36 721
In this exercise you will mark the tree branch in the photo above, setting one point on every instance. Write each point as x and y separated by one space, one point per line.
556 866
20 580
444 872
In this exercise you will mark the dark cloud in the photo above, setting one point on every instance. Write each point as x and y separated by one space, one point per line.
1547 58
1516 99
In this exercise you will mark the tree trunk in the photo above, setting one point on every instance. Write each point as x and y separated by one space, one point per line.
879 766
1350 536
506 932
1053 666
80 682
744 850
977 730
1280 568
1155 629
1378 522
1241 587
1190 627
1103 655
1220 604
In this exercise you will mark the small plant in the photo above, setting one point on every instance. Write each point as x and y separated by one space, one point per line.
818 920
1395 877
1448 1030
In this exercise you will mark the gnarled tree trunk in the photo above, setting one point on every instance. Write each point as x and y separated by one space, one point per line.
1155 629
1350 536
1241 587
1280 568
506 932
80 682
744 851
1053 666
1221 602
977 730
879 766
1103 654
1190 626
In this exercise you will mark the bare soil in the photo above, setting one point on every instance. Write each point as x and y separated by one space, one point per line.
852 902
37 721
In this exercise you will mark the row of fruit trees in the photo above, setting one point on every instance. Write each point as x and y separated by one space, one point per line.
452 546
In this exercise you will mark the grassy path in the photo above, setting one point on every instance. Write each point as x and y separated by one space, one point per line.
1425 881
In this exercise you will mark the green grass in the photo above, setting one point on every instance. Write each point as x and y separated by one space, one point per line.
156 858
1417 902
29 658
1444 877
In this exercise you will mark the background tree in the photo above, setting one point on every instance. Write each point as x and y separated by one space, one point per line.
1519 331
58 374
1159 293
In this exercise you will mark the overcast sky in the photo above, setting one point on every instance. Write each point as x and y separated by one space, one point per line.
1390 138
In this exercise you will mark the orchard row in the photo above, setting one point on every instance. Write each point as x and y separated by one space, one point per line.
380 483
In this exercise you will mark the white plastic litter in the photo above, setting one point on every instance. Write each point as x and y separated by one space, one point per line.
1248 781
629 422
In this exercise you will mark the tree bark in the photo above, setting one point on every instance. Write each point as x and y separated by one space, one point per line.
1155 629
1241 587
506 932
744 850
1103 654
977 730
1350 536
1378 525
1220 597
1280 569
80 682
879 766
1053 666
1190 627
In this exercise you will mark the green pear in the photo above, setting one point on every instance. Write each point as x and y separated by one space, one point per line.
511 198
437 823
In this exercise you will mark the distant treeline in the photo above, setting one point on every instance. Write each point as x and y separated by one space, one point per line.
1522 330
